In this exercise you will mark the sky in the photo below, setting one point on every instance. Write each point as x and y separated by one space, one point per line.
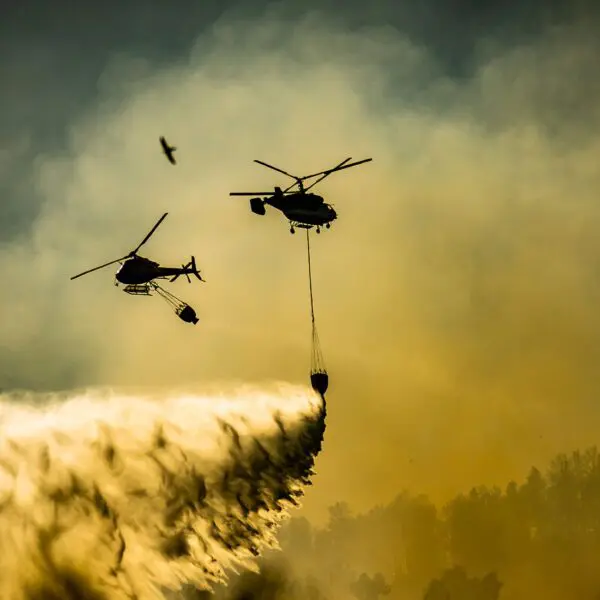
457 293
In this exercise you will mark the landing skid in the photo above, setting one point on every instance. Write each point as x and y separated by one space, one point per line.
139 289
294 224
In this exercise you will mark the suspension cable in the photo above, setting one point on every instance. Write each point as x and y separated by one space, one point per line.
319 378
312 307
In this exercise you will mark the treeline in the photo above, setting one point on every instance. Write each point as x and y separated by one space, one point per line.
533 540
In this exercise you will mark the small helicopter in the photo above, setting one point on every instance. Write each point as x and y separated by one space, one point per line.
301 209
137 270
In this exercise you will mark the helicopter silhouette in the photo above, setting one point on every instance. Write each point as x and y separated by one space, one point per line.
302 209
136 270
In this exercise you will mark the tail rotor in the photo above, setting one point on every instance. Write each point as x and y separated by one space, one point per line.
188 269
195 271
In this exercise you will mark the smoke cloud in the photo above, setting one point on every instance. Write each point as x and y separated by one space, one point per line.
106 495
456 295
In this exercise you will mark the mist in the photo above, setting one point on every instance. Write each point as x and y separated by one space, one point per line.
455 295
536 537
109 495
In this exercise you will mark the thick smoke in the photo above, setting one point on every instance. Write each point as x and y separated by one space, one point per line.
110 496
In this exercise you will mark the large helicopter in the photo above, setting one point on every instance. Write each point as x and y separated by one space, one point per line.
302 209
136 270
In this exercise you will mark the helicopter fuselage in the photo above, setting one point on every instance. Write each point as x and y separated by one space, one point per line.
321 216
302 208
139 270
307 208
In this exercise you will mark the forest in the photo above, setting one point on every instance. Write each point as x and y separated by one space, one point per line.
538 539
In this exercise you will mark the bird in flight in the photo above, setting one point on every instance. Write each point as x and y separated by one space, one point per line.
168 150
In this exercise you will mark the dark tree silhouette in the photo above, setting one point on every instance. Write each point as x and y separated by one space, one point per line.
370 588
454 584
539 537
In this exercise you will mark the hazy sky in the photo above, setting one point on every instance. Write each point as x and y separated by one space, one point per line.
457 293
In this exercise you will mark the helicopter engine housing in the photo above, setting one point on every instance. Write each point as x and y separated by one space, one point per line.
257 206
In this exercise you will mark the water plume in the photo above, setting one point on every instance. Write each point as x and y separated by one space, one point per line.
106 495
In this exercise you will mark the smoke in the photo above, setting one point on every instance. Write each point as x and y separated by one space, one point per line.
456 296
108 496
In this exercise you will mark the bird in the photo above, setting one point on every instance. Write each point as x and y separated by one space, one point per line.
168 150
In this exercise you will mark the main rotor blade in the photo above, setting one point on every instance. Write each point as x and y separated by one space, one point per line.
260 162
264 194
340 167
112 262
327 171
149 234
289 187
324 174
250 193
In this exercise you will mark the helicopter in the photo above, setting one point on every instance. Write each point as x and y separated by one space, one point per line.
302 209
136 270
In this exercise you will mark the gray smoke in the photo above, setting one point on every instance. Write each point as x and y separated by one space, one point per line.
109 496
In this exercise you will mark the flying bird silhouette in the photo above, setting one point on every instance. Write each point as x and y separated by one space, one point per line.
168 150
